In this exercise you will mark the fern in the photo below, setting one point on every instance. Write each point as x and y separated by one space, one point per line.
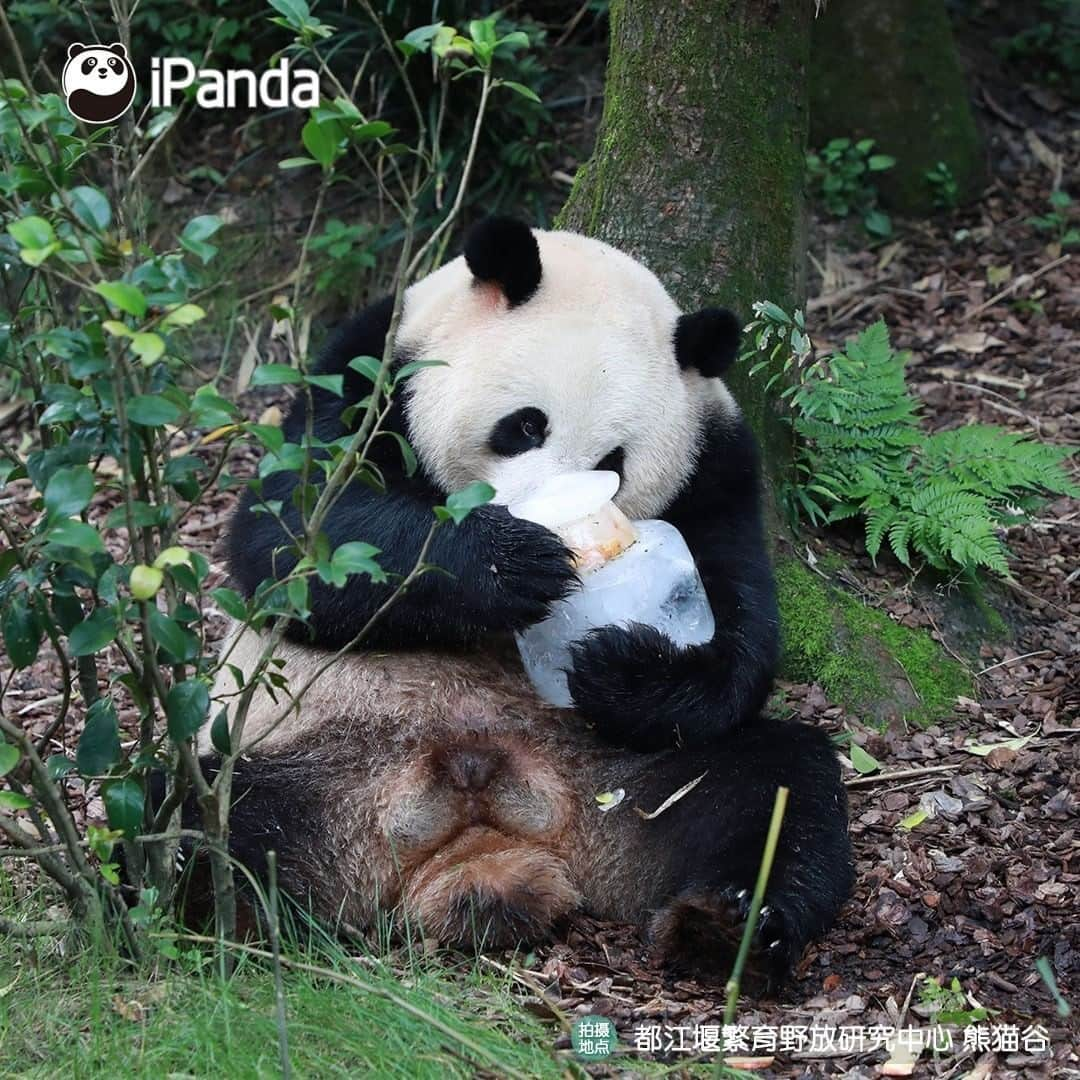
939 499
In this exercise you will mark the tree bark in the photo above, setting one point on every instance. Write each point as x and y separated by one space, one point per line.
699 172
888 70
698 169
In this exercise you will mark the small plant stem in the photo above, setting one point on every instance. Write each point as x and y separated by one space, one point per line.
732 988
275 948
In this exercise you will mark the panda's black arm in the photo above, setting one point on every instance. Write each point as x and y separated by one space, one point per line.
496 573
643 692
499 573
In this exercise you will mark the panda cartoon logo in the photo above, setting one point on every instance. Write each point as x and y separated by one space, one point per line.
99 82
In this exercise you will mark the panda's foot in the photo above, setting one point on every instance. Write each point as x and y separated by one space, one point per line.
700 930
496 894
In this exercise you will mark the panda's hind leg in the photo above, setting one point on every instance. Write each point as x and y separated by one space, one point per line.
712 841
701 929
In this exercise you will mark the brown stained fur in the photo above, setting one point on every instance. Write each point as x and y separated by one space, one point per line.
473 802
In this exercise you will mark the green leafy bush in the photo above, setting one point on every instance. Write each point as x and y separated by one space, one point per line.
128 438
841 174
861 451
1049 49
1056 221
944 189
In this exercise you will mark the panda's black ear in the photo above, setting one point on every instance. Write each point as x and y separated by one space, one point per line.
75 48
707 341
503 251
119 49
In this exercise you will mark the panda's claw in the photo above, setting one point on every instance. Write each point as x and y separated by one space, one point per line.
701 929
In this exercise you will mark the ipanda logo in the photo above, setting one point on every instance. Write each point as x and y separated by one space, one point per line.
99 84
98 81
236 87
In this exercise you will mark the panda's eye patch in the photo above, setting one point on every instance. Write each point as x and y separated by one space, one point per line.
115 64
519 431
88 65
612 462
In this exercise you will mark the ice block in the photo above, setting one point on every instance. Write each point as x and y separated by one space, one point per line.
630 572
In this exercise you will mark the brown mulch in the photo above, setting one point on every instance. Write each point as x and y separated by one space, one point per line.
988 881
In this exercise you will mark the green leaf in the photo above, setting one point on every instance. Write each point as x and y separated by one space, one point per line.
91 207
373 129
914 820
22 631
878 223
172 637
124 805
186 708
147 347
321 140
275 375
196 232
152 410
12 800
75 534
9 757
524 91
357 557
183 315
220 738
99 744
880 162
863 762
93 633
59 765
121 295
69 491
32 232
296 162
296 12
462 503
419 40
333 384
230 601
367 366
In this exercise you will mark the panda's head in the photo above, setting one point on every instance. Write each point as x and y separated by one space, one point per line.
98 81
560 354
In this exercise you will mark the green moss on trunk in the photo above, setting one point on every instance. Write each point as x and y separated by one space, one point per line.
888 70
863 660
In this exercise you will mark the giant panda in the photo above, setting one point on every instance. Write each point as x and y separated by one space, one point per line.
421 774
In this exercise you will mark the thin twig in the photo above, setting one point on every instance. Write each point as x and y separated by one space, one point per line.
900 774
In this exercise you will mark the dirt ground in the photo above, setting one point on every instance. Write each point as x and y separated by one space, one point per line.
988 882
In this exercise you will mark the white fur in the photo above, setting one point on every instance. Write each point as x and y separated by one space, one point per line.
593 348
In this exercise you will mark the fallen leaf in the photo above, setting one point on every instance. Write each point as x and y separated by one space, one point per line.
671 800
972 341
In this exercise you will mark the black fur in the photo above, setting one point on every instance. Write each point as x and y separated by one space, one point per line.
643 692
707 341
503 251
500 573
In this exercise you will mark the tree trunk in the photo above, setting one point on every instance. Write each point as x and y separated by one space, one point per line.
699 162
888 70
699 172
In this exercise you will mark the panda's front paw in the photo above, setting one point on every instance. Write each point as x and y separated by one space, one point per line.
531 571
628 683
